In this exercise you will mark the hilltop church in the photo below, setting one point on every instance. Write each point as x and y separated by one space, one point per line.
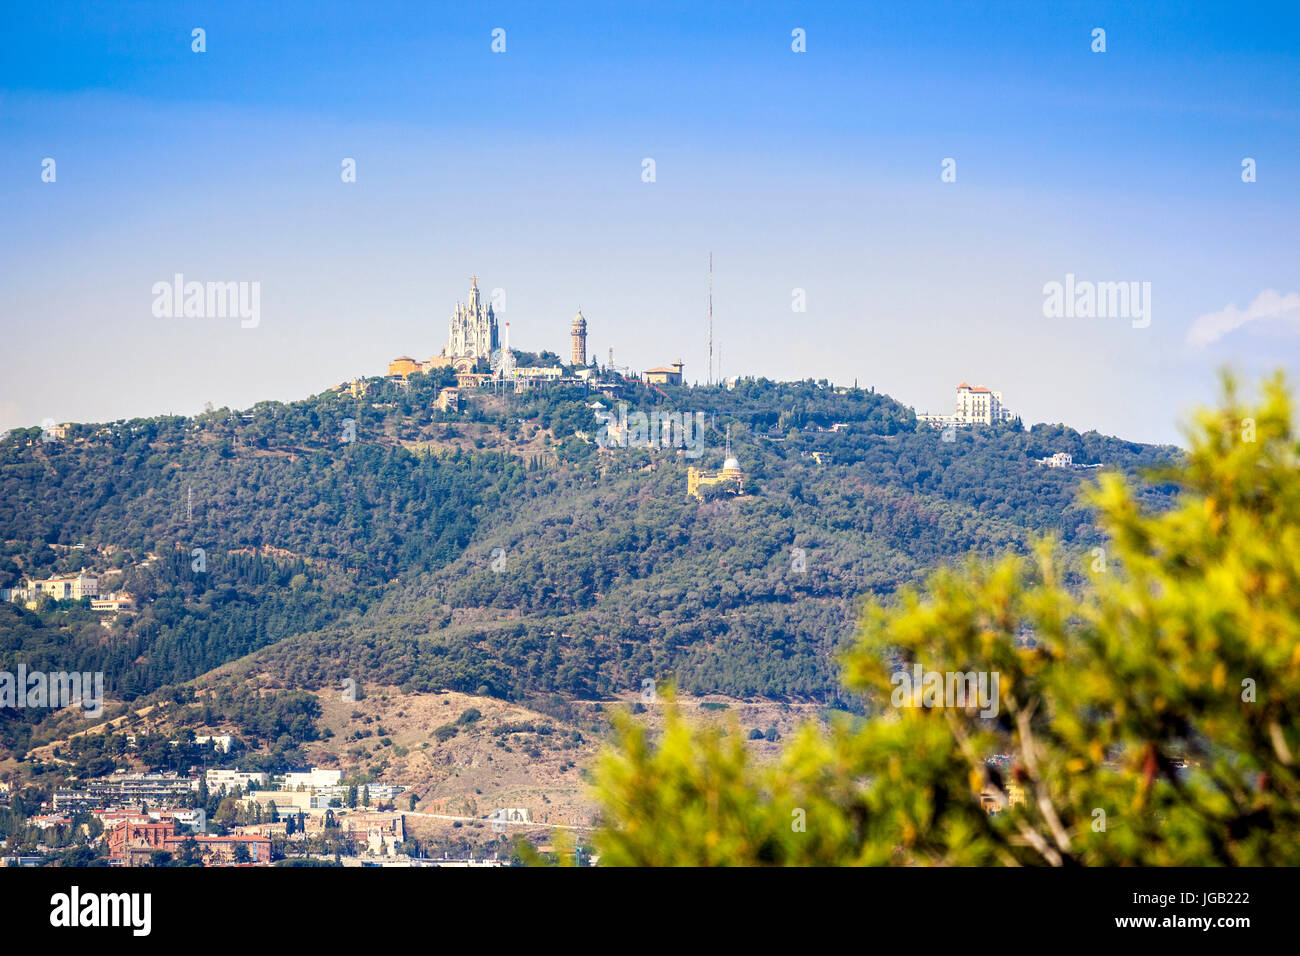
472 333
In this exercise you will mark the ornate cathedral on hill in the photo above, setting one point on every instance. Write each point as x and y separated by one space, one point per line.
473 337
472 333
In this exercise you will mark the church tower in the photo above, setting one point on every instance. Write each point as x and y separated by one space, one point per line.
578 333
472 332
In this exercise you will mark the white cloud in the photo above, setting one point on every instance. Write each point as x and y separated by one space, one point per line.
1268 305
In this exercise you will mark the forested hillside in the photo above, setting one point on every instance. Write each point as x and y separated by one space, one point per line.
495 550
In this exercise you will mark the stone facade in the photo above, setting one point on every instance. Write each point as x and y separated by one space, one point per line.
472 332
578 333
665 374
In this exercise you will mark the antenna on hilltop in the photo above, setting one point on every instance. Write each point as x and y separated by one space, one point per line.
710 318
503 363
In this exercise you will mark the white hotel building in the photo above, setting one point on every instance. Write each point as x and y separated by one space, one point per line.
976 405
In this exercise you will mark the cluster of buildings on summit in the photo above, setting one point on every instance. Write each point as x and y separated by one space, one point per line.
474 337
474 340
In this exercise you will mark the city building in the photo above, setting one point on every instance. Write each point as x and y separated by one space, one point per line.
448 400
114 602
578 337
126 790
291 801
548 372
219 780
110 818
358 822
384 791
311 779
264 829
976 405
135 843
49 820
665 374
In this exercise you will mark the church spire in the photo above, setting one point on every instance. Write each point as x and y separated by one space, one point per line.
472 333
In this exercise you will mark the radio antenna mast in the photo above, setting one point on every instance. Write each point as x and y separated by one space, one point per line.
710 318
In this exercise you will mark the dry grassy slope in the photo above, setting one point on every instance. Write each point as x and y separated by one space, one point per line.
469 774
477 771
143 720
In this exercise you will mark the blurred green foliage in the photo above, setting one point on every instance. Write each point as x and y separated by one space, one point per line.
1146 717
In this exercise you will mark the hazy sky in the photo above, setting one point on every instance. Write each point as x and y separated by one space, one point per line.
818 171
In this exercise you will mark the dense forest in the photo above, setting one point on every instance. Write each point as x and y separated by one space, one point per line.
498 549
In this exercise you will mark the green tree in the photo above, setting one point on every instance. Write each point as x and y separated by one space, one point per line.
228 812
1146 702
190 854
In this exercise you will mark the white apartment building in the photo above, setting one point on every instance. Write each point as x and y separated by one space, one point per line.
311 779
1062 459
976 405
61 587
539 371
218 780
309 802
379 793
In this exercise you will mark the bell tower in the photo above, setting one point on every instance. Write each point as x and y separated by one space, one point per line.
578 335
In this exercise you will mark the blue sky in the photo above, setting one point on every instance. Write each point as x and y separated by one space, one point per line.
817 171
